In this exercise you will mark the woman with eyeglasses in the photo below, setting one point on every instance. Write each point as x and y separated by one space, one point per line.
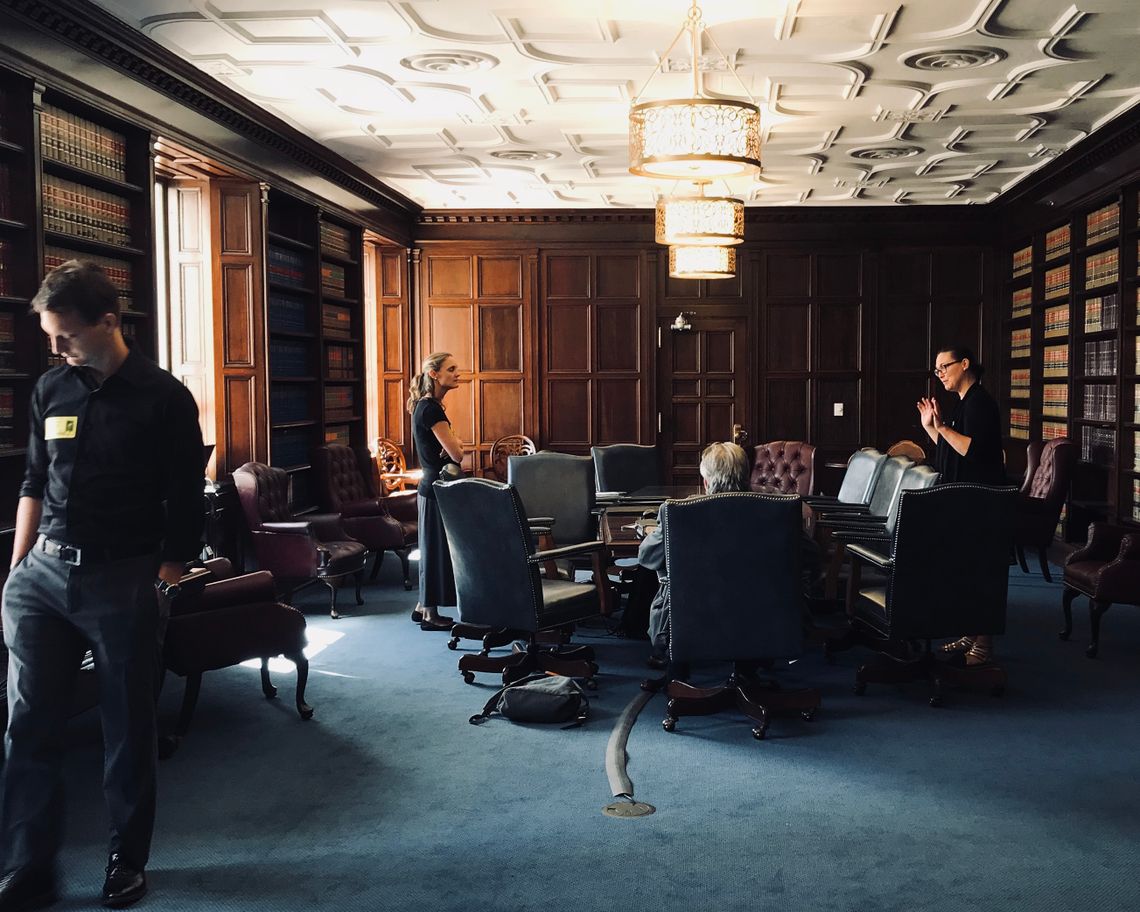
967 448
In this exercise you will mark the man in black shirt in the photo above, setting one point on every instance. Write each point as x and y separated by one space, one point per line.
110 511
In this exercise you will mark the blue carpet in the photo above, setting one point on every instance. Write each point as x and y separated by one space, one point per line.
389 800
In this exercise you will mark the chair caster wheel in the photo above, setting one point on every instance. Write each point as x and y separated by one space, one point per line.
1091 652
669 724
1063 635
860 688
453 643
936 701
468 677
407 586
759 733
590 684
807 715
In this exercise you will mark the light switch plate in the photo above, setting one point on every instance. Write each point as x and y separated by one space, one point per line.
837 409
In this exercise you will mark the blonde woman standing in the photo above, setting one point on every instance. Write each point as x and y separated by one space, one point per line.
436 446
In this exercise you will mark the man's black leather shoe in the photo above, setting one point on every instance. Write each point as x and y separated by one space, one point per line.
124 884
23 890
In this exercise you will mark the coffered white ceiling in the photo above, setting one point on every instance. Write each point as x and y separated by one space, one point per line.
484 104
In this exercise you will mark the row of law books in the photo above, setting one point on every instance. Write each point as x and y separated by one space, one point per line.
1019 343
7 341
287 313
81 143
1057 282
1056 321
1022 301
288 402
7 417
1102 313
1055 400
1022 261
290 447
5 191
7 251
340 435
1136 460
288 359
342 362
286 266
336 240
340 401
1102 224
1056 361
96 215
1136 495
1057 242
1098 446
1137 367
1019 423
332 279
1050 430
1019 383
1100 402
1101 358
118 271
336 321
1102 269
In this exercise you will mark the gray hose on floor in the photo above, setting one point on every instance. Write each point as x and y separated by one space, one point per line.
620 784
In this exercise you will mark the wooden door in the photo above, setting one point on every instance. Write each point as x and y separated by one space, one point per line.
703 390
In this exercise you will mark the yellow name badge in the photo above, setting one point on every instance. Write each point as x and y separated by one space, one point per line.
60 427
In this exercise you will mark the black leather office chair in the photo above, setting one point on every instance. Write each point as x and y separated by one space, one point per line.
947 574
499 587
734 596
626 467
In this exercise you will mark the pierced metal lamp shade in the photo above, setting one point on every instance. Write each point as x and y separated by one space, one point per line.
699 221
702 262
694 138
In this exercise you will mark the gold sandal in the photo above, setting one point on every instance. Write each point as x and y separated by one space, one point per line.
962 644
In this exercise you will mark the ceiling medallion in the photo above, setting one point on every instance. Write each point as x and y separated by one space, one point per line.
884 153
702 262
699 221
525 155
696 137
969 58
450 62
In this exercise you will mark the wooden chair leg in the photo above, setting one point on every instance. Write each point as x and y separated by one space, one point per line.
298 659
1044 561
1020 552
189 701
331 583
1096 612
376 566
267 687
402 554
359 576
1067 597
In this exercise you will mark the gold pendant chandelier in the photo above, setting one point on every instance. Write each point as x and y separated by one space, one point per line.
698 137
702 262
699 220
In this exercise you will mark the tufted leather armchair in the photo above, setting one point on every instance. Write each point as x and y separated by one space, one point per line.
782 467
222 619
1049 466
1107 570
382 523
296 550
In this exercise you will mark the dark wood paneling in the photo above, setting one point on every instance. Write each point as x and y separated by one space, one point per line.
787 275
905 328
568 417
787 337
618 276
618 334
237 219
839 275
392 345
786 411
839 335
568 277
618 415
449 276
500 277
500 338
451 329
832 431
956 322
500 408
958 272
391 281
905 272
567 337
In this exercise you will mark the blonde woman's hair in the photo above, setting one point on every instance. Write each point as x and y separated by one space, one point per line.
724 467
422 383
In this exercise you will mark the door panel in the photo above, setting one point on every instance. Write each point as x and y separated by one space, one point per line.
704 387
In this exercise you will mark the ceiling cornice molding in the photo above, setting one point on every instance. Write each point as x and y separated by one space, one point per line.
755 215
537 217
112 42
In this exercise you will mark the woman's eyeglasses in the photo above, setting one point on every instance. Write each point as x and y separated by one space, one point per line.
942 368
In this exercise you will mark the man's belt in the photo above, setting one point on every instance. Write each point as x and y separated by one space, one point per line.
77 556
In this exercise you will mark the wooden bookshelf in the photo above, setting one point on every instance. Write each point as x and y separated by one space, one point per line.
316 327
1083 327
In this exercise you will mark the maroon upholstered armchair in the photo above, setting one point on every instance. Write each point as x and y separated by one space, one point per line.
782 467
221 620
381 523
296 550
1043 492
1107 570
